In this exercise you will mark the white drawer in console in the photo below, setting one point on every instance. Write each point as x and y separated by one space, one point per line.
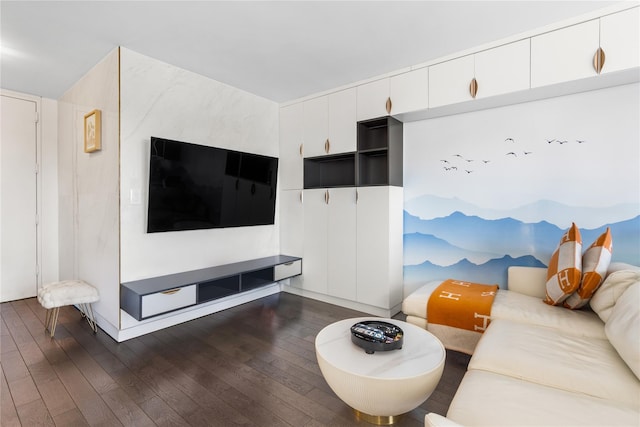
284 271
172 299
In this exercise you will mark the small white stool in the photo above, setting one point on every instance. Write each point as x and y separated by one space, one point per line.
68 292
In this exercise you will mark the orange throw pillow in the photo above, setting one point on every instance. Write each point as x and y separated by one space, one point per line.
565 267
595 263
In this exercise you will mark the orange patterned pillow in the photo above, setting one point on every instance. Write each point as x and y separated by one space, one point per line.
595 263
565 267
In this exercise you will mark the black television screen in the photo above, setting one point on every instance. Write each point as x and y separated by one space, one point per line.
195 186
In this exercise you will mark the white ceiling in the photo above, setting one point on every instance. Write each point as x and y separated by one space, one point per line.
279 50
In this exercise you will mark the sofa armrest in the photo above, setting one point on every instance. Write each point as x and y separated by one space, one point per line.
527 280
434 420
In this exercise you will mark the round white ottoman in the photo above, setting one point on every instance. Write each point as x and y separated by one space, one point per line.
385 384
52 296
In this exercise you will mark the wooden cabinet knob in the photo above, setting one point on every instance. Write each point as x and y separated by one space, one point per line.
301 150
327 146
388 105
326 197
598 60
473 88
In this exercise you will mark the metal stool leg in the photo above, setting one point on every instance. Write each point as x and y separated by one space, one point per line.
54 321
47 319
87 312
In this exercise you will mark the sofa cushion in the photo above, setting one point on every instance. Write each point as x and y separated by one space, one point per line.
415 304
556 359
611 289
623 327
595 262
489 399
565 267
510 305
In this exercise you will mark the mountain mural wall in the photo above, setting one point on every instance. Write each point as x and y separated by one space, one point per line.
495 188
476 249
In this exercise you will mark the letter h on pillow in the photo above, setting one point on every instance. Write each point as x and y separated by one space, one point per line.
565 267
595 262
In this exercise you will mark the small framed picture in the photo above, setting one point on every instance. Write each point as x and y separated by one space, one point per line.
92 131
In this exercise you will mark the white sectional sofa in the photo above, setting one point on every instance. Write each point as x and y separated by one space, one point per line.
540 365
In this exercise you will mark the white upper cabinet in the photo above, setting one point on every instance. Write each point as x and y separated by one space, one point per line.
316 126
330 124
291 139
372 99
620 40
565 54
503 69
342 121
449 81
496 71
409 91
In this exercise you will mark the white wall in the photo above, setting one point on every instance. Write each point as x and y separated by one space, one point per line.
89 190
48 195
493 188
158 99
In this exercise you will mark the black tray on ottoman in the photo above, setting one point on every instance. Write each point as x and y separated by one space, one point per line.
376 335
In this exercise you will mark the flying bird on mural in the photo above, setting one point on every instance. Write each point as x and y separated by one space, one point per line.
527 152
509 140
511 153
562 142
580 141
549 141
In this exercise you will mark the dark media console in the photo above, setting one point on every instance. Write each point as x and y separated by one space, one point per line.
146 298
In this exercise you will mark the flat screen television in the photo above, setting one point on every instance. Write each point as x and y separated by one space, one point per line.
195 186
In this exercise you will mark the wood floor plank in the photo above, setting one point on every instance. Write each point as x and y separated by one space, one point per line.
34 413
88 401
23 391
250 365
55 397
127 411
70 418
161 413
8 413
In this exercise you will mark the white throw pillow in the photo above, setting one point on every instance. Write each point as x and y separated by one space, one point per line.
623 327
611 289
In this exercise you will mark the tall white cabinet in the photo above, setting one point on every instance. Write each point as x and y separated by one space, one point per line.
379 246
345 221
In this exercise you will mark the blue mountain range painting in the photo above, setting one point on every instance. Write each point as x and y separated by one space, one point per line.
468 247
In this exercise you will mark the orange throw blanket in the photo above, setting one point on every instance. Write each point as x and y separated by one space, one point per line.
462 305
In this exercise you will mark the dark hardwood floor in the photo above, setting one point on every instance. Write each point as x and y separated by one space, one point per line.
253 364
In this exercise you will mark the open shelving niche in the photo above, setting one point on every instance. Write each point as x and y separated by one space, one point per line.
377 160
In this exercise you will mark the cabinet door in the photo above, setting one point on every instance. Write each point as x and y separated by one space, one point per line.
620 40
503 69
449 81
316 126
372 99
341 248
409 91
342 121
314 264
379 246
292 228
564 55
291 139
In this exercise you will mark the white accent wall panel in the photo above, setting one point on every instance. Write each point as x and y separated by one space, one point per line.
158 99
89 214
